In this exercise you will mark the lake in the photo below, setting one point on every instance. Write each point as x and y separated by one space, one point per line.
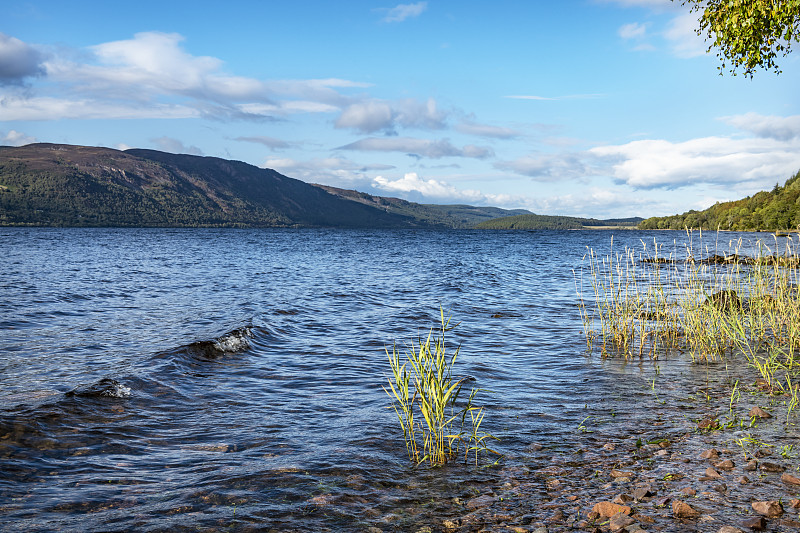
193 379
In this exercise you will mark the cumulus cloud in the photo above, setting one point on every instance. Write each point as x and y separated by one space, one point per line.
419 147
174 146
18 61
770 127
401 12
550 167
152 76
374 115
485 130
412 187
15 138
717 160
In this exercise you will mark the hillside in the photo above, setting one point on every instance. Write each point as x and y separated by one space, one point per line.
533 222
62 185
764 211
454 216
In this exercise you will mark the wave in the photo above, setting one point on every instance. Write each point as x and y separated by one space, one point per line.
106 387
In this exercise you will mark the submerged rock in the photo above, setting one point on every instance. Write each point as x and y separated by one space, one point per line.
770 509
681 509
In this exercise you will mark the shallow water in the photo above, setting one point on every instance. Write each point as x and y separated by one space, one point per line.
163 379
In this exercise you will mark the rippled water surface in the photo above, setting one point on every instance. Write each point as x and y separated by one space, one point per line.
156 379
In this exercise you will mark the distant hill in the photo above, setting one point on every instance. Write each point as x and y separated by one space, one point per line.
454 216
64 185
764 211
533 222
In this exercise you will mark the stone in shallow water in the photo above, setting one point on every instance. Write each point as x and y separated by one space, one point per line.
727 464
710 454
681 509
756 524
609 509
789 479
771 467
770 509
757 412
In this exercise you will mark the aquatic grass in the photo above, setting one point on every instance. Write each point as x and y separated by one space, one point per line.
701 301
425 397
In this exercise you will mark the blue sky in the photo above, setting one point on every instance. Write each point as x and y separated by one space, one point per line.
602 108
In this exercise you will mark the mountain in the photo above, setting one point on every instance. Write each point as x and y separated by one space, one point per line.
533 222
766 211
63 185
454 216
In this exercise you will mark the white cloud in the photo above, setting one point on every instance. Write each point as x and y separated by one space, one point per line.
719 160
633 30
595 202
270 142
685 41
771 127
334 171
174 146
414 188
564 97
418 147
485 130
374 115
15 138
48 108
18 61
152 76
550 167
401 12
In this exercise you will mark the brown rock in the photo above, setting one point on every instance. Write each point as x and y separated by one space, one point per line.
713 474
683 510
757 412
710 454
771 467
619 473
620 521
642 492
708 423
729 529
609 509
756 524
794 503
789 479
689 491
481 501
770 509
794 524
727 464
743 480
622 499
751 465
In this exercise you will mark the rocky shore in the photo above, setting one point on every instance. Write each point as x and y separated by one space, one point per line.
725 469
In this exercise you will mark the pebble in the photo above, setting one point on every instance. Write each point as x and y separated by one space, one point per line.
789 479
729 529
757 412
620 521
609 509
713 474
689 491
682 509
622 499
751 465
757 524
642 492
727 464
710 454
771 467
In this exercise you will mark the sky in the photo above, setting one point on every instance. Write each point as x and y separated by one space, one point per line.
596 108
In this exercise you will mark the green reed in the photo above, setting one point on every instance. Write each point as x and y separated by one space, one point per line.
425 393
709 304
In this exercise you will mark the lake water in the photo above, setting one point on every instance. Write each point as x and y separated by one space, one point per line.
185 379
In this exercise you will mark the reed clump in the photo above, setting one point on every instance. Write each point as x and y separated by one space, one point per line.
438 426
698 300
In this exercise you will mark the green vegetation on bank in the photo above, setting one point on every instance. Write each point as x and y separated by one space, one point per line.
534 222
764 211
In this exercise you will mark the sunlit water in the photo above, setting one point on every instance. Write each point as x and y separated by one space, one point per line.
157 379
